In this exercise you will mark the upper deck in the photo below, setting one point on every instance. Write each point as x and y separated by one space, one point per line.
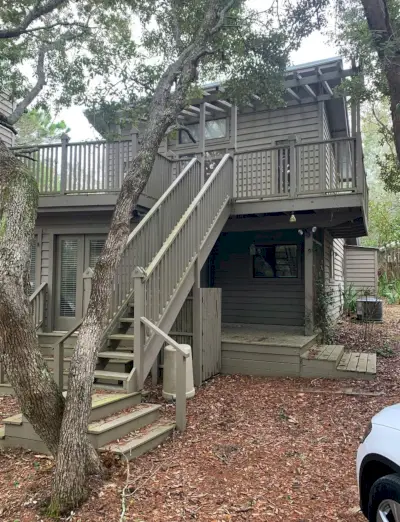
304 157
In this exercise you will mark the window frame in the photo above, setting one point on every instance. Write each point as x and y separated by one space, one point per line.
221 139
276 245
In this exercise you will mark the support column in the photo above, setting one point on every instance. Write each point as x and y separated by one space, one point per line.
197 329
308 283
202 141
139 330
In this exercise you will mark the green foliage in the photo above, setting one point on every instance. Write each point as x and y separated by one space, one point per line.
37 127
389 289
349 300
386 351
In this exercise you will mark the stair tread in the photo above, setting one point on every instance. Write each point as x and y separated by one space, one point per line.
117 376
123 418
121 337
154 431
126 320
116 355
330 353
98 400
358 362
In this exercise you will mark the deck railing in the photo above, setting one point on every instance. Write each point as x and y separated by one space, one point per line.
90 167
298 169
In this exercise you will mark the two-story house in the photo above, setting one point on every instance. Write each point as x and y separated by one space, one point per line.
256 202
236 239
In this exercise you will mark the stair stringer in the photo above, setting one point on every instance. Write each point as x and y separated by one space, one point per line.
171 312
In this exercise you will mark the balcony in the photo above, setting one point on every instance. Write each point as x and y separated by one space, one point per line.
90 173
300 177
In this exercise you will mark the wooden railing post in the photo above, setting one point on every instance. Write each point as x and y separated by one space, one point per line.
64 163
135 141
293 168
87 287
358 170
139 329
2 373
181 388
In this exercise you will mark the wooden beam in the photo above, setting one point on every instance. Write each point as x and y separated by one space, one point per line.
320 77
188 113
197 110
214 108
293 94
327 88
310 91
308 284
224 103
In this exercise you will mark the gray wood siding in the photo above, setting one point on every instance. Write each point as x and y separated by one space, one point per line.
264 128
6 108
256 301
336 283
362 269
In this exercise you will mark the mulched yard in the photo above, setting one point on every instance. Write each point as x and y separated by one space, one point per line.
255 449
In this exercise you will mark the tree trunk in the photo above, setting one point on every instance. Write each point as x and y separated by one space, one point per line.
69 487
378 18
41 401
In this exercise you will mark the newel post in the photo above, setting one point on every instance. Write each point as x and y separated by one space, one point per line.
359 170
64 163
139 329
87 287
292 167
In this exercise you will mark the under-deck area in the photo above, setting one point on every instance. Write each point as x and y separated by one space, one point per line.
286 352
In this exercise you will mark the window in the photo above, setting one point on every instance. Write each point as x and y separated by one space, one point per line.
278 261
214 129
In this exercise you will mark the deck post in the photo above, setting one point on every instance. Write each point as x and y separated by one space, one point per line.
64 163
293 168
202 142
59 365
308 284
197 329
139 330
87 287
134 138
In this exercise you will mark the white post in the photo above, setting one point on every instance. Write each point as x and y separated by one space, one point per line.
202 141
139 329
180 390
309 283
59 365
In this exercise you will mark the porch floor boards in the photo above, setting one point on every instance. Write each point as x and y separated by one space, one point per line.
265 335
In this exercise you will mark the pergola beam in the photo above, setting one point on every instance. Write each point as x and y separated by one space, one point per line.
215 108
293 94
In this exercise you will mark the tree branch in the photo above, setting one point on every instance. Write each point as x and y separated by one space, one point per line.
36 12
41 77
179 126
5 123
222 16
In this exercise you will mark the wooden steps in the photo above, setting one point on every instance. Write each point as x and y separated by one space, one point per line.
331 361
141 443
119 422
120 356
121 337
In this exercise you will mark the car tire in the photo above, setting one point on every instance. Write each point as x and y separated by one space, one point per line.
384 500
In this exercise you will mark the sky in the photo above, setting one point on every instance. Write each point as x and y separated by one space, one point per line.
315 47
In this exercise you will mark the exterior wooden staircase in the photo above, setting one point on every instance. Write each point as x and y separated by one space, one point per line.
155 275
120 423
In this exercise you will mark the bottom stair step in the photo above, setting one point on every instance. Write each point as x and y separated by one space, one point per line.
139 443
110 376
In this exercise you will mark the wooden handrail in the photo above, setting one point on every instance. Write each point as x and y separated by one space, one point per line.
185 216
182 353
58 350
37 291
69 333
180 347
160 201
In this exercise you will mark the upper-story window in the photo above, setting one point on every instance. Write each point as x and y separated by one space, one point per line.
214 129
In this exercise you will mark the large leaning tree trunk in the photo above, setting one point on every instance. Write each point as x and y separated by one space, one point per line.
169 99
384 38
41 400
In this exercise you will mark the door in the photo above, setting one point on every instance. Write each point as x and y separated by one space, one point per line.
74 254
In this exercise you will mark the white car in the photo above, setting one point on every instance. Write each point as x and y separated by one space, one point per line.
378 467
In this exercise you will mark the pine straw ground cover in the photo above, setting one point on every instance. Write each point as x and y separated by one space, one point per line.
255 449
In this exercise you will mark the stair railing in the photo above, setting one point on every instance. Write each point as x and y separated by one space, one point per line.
182 353
148 237
156 285
37 302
